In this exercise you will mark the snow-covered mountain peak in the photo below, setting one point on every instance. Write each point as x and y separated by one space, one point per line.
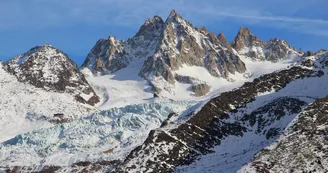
47 51
174 45
166 47
51 69
251 46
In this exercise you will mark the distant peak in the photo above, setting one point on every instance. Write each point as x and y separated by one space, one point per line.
244 31
156 19
223 40
111 38
221 35
274 39
154 24
148 20
174 13
47 45
203 30
173 16
245 38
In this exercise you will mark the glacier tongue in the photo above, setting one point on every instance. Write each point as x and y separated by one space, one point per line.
118 130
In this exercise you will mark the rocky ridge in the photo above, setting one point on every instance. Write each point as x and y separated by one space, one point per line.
303 145
110 55
182 43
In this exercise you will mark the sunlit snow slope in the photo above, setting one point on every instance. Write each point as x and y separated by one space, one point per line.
25 108
125 87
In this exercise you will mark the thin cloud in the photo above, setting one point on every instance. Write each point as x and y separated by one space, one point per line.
274 18
37 14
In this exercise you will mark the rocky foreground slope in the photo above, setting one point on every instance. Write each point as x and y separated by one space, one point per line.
226 116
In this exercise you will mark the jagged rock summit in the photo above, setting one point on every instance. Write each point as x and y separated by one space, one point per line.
49 68
166 47
183 44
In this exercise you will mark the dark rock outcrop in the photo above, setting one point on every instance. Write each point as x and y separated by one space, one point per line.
200 89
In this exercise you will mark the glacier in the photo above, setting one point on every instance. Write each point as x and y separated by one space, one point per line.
87 139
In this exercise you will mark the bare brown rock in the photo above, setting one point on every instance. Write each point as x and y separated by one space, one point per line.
200 89
222 39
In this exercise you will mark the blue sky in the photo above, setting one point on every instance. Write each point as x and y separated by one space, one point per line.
74 26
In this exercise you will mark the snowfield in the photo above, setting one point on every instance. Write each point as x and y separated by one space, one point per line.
125 87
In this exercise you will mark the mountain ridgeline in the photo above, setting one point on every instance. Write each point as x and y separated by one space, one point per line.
166 46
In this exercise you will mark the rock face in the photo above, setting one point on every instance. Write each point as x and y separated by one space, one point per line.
245 39
106 55
182 43
222 39
250 45
110 55
49 68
